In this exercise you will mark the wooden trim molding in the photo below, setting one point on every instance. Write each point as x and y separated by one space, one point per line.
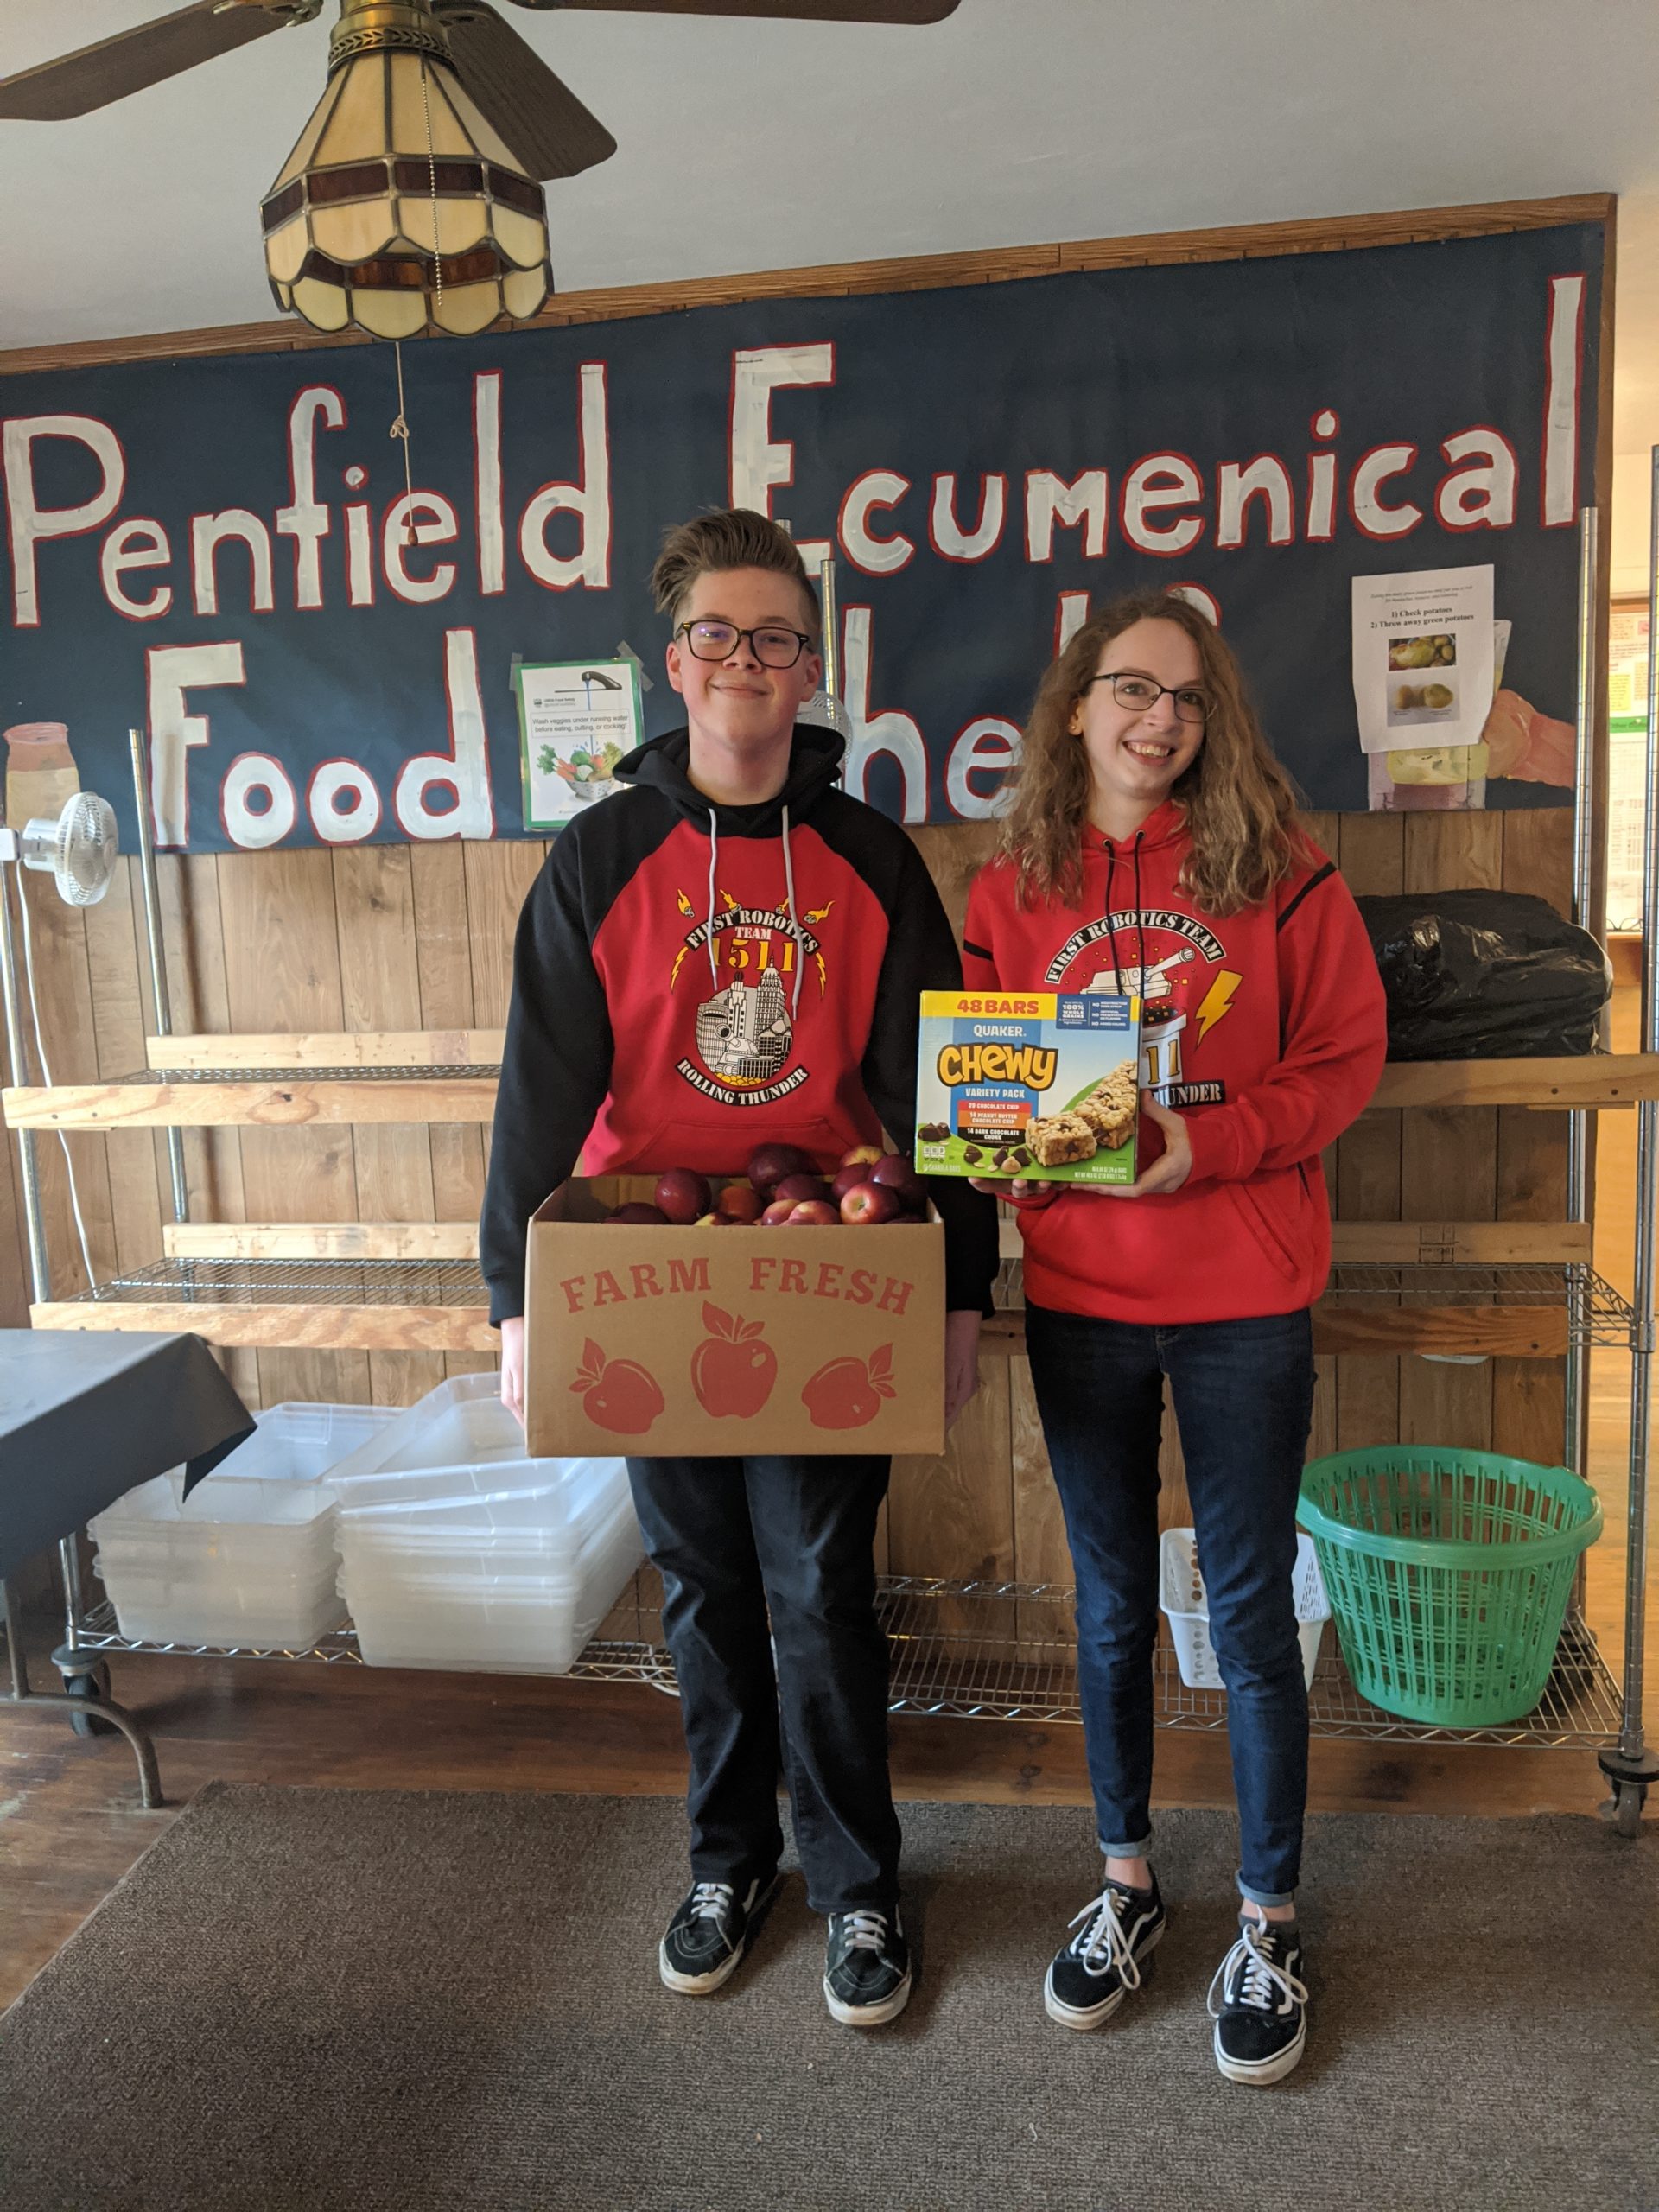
912 273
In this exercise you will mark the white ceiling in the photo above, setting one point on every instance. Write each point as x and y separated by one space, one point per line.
748 145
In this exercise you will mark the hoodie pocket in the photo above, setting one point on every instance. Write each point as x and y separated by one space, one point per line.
1276 1210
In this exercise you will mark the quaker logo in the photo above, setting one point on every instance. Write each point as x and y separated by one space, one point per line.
744 1029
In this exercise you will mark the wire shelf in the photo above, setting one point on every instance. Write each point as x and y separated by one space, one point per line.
437 1072
1006 1651
1596 1312
293 1282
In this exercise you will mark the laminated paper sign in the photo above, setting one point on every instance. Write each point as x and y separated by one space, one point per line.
699 1341
1423 651
577 719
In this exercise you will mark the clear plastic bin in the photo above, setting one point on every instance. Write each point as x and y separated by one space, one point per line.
1182 1599
492 1617
248 1557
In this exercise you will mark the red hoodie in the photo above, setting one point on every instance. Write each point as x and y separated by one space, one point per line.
1267 1030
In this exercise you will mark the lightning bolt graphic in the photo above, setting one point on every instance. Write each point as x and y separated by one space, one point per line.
818 914
685 903
823 979
674 976
1218 999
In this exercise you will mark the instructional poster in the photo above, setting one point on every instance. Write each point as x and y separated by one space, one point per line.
1422 658
577 719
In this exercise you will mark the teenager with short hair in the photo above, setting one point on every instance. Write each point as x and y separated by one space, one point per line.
731 952
1153 848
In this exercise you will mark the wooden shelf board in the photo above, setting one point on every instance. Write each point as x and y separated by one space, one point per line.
1596 1079
309 1327
262 1104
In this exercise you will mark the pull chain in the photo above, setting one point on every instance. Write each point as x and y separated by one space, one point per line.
432 175
400 430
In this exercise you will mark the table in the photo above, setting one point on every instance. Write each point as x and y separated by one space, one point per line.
84 1418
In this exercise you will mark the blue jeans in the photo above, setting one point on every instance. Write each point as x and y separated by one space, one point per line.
1243 1400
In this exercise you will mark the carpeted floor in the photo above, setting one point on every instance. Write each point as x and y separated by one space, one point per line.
441 2002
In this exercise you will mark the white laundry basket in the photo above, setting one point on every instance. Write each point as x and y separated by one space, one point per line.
1181 1596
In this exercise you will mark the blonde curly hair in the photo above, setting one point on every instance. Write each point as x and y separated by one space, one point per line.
1239 804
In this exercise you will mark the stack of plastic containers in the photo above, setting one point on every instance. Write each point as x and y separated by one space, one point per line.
248 1559
456 1551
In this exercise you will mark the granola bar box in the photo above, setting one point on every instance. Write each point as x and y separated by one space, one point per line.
1033 1083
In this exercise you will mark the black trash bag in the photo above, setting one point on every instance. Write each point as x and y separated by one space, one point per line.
1485 976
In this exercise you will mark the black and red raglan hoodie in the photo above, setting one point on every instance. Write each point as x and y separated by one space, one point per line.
1266 1030
691 980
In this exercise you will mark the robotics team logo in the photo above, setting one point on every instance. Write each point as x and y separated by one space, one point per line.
744 1030
1173 986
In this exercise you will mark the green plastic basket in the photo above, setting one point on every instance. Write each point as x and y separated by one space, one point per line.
1448 1573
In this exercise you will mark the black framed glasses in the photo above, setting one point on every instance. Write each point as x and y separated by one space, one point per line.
774 646
1138 695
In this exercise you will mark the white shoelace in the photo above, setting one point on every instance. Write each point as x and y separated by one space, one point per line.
1259 1977
1103 1944
865 1931
710 1899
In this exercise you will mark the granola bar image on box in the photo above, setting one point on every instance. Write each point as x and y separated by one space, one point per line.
1060 1140
1110 1108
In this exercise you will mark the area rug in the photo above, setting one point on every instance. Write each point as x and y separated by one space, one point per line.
445 2002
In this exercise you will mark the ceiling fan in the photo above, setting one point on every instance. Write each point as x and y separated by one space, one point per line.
532 109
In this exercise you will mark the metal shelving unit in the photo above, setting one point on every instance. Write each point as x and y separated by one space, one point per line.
1006 1651
961 1649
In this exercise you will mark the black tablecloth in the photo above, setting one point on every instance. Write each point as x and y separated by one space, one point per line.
85 1417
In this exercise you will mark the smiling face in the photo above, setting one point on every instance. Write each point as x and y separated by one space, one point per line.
739 711
1137 754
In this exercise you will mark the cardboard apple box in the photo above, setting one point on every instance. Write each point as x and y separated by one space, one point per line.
661 1340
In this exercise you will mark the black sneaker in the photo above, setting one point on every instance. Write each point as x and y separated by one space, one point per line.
708 1935
867 1968
1261 2018
1089 1979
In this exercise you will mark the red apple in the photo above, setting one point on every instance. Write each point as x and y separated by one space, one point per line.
638 1210
683 1195
798 1187
895 1173
770 1163
863 1155
845 1179
737 1202
813 1212
777 1213
868 1202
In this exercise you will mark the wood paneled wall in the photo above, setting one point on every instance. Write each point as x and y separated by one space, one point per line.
409 937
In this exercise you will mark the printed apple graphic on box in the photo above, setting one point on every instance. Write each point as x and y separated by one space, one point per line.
616 1394
848 1392
732 1370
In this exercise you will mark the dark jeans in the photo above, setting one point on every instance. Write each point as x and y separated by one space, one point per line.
1243 1398
736 1539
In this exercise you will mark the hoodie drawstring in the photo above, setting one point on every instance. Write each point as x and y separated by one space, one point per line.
1140 990
795 929
713 858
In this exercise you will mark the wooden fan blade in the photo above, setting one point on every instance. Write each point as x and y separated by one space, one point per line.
538 116
94 75
810 11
